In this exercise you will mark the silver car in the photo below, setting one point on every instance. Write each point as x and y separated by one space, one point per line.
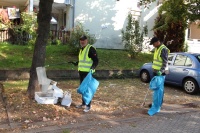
184 70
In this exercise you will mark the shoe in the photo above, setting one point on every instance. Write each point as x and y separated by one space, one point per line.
87 109
80 106
150 105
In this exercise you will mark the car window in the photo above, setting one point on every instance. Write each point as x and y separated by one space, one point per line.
182 60
170 57
188 62
198 57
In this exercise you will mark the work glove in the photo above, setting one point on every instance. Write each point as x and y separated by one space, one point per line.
159 73
92 70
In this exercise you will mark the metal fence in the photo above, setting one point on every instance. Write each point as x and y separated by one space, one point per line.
63 36
4 36
8 36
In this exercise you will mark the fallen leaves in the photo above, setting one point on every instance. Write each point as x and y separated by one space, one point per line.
114 98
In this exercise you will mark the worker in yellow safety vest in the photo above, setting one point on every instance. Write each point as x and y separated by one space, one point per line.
88 61
160 60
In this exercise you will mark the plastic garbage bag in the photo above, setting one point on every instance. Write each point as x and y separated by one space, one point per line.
66 100
57 92
88 88
157 85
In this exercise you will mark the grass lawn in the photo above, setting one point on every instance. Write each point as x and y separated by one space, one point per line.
16 57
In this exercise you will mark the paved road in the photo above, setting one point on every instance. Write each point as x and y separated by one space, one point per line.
175 123
172 119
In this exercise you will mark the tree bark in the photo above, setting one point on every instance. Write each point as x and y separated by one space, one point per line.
43 18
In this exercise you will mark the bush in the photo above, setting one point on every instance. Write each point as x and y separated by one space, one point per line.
132 37
25 33
76 33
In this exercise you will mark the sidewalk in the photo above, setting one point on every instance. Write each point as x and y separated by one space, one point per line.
162 123
171 119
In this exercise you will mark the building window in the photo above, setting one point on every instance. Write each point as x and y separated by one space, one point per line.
188 33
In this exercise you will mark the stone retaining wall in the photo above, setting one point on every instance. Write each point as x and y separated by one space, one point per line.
67 74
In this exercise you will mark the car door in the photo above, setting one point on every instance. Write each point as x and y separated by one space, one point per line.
171 57
178 70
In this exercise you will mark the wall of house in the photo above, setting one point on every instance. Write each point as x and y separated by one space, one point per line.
104 19
69 17
148 16
194 31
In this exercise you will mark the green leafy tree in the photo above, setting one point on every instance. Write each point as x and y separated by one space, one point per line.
26 31
132 37
29 23
171 24
172 21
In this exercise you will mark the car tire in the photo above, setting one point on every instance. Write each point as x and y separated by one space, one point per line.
190 86
145 76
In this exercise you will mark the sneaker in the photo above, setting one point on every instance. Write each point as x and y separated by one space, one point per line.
80 106
86 109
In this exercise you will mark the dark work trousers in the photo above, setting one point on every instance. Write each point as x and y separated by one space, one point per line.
82 76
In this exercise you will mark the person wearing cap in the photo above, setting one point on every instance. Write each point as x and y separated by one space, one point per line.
160 61
88 61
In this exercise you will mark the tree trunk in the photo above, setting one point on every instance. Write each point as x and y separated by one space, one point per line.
43 19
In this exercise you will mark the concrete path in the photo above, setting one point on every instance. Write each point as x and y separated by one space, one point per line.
171 119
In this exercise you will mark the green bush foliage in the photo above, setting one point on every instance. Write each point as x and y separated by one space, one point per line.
76 33
171 25
132 37
25 33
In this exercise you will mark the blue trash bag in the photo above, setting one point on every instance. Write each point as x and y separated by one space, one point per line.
88 88
157 85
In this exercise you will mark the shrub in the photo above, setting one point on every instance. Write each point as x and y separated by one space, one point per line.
25 33
76 33
132 37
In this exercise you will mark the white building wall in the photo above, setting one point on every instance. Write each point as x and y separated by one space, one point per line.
148 16
69 17
105 19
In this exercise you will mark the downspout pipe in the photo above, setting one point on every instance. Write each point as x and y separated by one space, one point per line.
30 5
73 14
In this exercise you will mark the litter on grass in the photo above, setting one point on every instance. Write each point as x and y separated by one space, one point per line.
50 93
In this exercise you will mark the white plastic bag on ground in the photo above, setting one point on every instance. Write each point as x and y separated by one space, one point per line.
67 100
57 91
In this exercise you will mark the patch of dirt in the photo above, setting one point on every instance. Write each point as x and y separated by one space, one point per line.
114 99
191 105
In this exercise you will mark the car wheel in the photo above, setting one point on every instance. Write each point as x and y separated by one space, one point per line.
190 86
144 76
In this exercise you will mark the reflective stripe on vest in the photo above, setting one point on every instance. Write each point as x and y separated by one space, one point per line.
85 62
157 60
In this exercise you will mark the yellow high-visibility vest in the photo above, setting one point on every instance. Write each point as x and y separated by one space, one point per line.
157 60
85 62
